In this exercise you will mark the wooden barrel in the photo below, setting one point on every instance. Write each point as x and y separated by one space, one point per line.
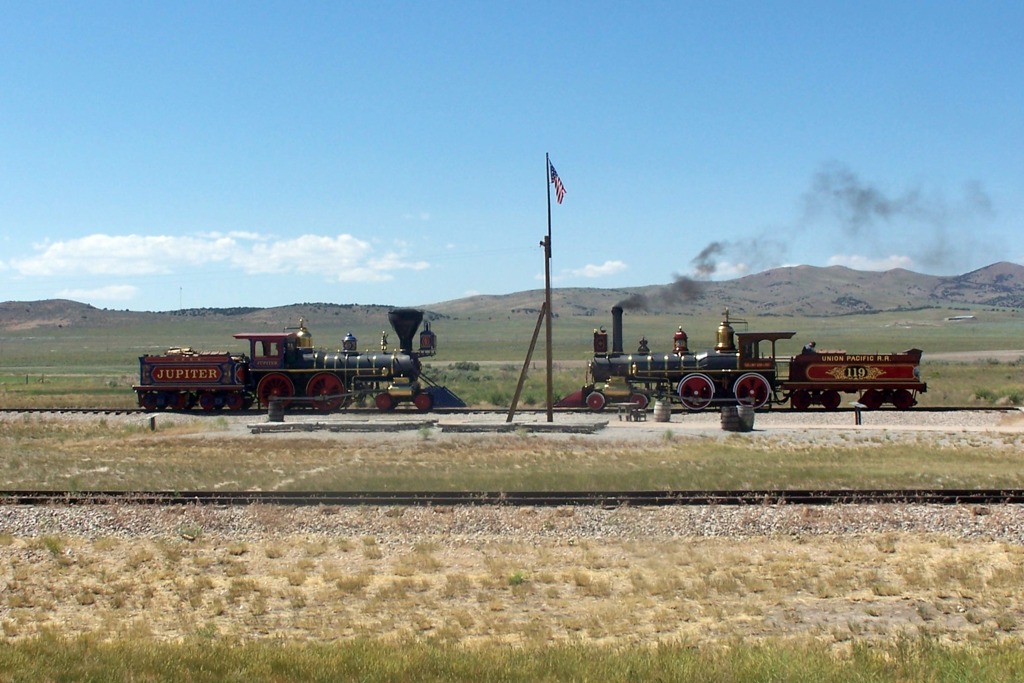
737 418
745 414
275 412
662 411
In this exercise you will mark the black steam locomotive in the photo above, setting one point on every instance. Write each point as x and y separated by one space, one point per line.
744 368
285 366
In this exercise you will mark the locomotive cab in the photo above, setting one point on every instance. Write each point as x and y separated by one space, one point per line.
757 349
269 350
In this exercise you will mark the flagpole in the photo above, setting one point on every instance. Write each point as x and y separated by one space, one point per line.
547 290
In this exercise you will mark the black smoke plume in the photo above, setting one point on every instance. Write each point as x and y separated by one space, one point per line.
704 263
681 290
887 221
877 219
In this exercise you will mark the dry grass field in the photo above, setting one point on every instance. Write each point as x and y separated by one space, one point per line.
517 577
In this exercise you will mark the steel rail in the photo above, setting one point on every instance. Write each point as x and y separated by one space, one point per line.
489 411
608 499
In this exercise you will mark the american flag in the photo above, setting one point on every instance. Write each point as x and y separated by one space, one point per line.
557 182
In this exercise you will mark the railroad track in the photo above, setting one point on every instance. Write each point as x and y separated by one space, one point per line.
479 411
609 499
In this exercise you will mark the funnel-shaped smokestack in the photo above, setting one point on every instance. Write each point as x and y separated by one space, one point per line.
405 322
616 329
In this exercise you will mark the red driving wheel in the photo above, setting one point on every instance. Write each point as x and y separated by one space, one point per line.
752 390
322 385
275 385
696 391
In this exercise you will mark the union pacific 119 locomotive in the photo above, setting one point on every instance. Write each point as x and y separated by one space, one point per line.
744 368
285 366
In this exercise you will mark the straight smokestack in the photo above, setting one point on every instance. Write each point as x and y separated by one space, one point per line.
617 329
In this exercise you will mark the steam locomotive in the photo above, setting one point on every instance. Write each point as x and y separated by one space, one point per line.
285 366
744 368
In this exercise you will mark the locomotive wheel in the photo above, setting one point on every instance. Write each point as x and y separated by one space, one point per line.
800 400
326 384
384 402
872 399
903 399
208 401
275 385
640 400
752 390
178 401
423 402
148 401
696 391
235 401
595 401
831 399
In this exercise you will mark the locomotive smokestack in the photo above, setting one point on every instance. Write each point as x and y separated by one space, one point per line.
616 329
405 322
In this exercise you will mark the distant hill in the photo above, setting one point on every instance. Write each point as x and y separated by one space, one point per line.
796 290
61 313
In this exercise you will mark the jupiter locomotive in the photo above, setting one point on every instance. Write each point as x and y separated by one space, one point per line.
285 366
744 368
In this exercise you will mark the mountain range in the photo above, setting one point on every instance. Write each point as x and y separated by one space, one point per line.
787 291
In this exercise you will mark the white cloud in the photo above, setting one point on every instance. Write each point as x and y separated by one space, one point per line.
393 261
309 254
341 258
605 269
234 234
864 263
109 293
121 255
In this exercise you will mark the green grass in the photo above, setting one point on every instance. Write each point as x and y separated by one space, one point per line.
983 383
507 338
494 384
481 359
199 659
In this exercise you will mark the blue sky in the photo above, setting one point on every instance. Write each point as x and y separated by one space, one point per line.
158 155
